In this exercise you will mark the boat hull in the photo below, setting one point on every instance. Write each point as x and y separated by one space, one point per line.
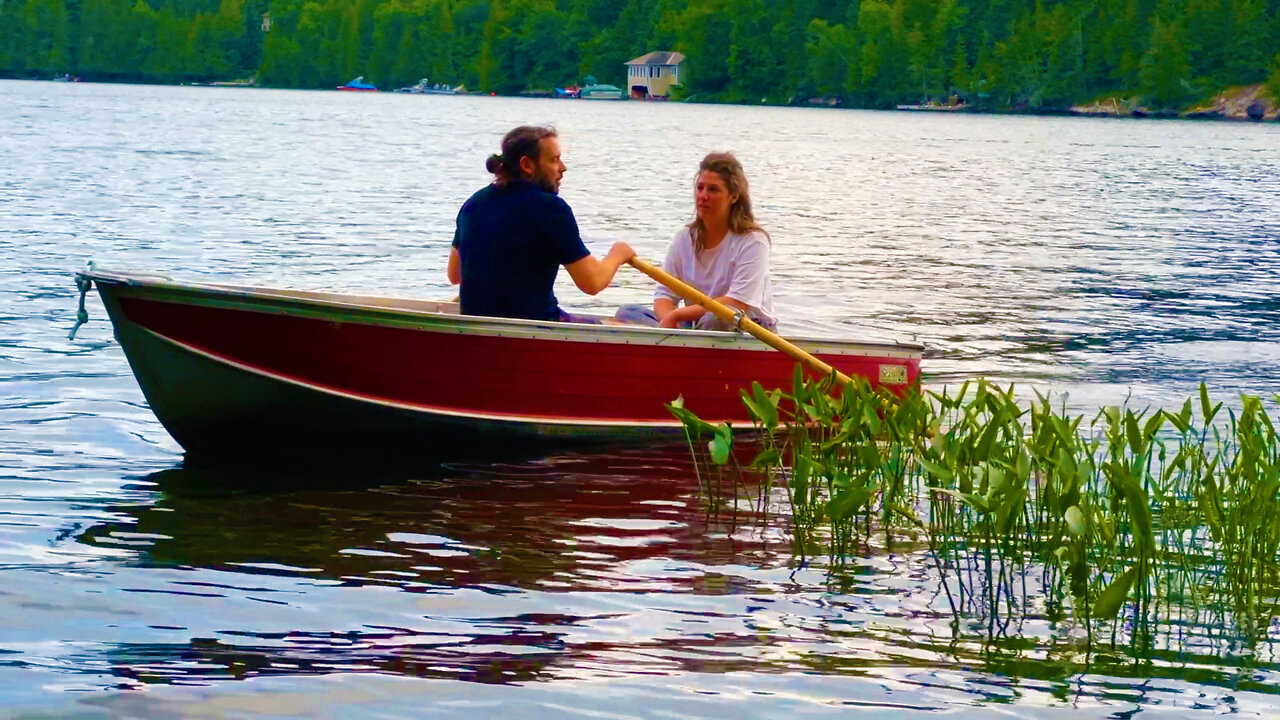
233 370
215 410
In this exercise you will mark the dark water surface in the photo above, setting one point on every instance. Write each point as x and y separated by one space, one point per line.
1092 259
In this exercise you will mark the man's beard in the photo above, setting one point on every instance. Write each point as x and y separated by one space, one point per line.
545 183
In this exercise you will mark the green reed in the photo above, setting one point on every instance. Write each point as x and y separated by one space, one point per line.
1123 523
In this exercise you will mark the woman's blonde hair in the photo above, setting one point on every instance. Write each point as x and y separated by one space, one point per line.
735 181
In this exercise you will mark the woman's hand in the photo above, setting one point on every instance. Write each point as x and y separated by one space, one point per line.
691 313
686 314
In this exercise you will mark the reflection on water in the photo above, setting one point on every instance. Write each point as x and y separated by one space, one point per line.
572 523
1092 260
567 568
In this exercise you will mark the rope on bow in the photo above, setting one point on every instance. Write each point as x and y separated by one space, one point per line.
84 283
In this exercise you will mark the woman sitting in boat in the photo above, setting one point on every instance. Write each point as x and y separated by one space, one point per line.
723 252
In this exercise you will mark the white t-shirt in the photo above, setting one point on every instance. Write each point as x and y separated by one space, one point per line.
737 268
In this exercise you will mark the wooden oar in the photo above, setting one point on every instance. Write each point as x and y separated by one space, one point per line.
694 296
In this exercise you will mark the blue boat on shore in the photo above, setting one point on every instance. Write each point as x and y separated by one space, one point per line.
359 85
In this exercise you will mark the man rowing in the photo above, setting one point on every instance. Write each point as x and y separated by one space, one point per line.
513 235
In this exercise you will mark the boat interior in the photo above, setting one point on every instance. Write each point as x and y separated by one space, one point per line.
824 342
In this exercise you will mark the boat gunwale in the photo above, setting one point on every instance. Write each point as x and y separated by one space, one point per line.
321 305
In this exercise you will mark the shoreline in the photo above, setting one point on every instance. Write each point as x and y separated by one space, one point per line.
1242 104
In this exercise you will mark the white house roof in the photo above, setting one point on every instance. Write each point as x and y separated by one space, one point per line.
658 57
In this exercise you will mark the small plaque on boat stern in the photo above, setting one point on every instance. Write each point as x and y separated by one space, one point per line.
893 374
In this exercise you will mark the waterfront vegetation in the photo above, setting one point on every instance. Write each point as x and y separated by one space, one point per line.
995 54
1134 528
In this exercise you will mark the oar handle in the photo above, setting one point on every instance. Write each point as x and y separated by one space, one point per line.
694 296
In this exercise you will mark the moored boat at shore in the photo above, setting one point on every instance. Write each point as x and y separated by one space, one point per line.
233 370
424 87
601 92
359 85
929 107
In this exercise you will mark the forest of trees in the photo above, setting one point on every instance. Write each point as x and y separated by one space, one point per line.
1021 54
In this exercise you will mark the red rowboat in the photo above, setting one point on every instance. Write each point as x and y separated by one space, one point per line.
231 369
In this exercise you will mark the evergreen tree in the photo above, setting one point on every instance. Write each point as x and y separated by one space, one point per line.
1249 45
604 55
1273 81
882 77
13 41
1166 66
47 33
704 30
754 67
831 49
107 40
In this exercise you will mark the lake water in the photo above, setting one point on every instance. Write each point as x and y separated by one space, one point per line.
1097 260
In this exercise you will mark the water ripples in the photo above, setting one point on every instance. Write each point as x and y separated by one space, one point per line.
1090 259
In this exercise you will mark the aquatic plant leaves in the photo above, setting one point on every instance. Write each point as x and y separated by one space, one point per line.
763 405
1022 466
1207 411
938 440
977 502
1066 433
1182 420
1175 466
721 443
1136 443
767 458
1004 488
1075 522
799 388
934 469
983 449
1106 526
1136 503
691 422
801 467
1139 507
848 503
997 480
1113 596
1008 511
1208 502
1153 426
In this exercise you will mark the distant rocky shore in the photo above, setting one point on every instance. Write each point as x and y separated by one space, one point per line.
1249 102
1241 103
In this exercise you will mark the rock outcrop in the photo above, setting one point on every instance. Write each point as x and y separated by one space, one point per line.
1249 102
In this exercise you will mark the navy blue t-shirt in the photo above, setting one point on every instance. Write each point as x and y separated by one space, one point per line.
512 241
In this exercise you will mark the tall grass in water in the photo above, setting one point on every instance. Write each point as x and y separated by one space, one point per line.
1125 523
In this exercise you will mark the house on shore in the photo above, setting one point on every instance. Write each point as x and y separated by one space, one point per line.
652 75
